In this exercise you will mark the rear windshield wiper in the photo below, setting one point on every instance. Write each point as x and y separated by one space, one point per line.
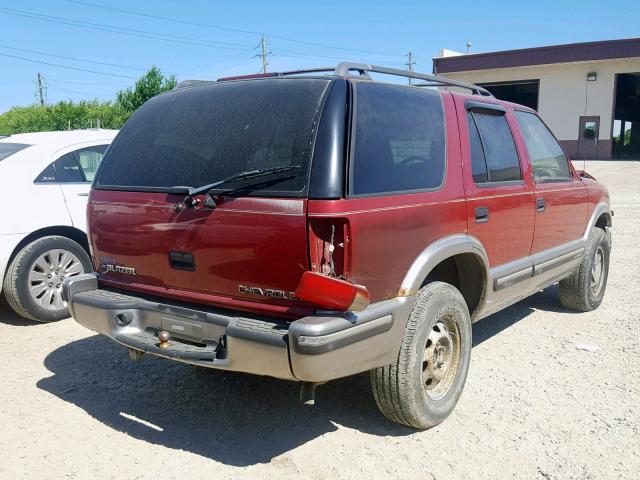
192 192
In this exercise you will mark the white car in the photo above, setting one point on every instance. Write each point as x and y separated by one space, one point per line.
45 179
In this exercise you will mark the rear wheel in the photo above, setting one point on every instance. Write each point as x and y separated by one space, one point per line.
584 289
423 386
33 283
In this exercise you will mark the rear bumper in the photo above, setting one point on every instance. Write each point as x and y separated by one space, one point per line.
316 348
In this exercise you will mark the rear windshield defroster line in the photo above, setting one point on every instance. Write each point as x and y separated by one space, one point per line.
196 136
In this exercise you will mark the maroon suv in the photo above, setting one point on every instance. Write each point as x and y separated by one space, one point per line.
312 225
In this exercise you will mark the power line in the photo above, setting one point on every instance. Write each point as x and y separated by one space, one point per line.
56 80
71 58
146 34
67 90
66 66
211 65
125 31
227 29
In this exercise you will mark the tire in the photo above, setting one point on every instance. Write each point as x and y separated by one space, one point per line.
584 289
33 270
404 392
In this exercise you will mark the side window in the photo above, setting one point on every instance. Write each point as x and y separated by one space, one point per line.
67 169
493 150
48 175
478 163
399 140
89 159
548 160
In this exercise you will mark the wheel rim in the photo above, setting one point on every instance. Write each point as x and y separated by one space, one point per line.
441 358
47 274
597 272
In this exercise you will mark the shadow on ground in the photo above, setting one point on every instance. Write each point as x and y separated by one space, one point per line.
9 317
232 418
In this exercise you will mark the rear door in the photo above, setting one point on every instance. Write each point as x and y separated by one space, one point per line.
500 203
75 172
247 250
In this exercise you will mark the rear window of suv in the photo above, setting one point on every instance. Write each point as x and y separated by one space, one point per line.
199 135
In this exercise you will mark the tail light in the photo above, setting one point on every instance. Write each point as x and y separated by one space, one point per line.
332 293
326 284
329 245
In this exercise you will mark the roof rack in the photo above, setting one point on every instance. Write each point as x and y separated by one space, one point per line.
345 69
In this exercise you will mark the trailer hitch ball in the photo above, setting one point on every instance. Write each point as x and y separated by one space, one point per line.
135 355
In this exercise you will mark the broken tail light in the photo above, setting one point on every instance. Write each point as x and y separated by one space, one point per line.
332 293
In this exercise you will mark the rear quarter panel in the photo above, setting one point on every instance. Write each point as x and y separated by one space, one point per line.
389 232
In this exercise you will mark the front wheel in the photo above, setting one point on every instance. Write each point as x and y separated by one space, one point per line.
584 289
33 283
423 386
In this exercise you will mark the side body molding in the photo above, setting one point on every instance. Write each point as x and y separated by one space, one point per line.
437 252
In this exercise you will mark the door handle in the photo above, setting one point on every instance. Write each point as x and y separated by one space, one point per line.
83 194
182 261
482 214
541 205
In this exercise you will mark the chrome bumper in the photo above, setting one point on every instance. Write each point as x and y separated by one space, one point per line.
316 348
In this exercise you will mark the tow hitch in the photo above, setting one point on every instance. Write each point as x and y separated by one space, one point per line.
135 355
308 392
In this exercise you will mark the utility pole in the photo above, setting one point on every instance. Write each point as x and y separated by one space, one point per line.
410 64
468 48
264 53
41 89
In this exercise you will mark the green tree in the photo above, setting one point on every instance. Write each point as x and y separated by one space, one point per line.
149 85
83 114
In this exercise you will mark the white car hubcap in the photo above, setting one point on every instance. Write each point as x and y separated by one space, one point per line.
47 274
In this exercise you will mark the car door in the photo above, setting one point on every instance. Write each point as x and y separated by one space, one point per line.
75 171
561 198
499 195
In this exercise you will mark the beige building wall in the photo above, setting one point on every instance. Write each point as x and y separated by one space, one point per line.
565 94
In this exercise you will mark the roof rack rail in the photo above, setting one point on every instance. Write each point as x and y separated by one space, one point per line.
344 69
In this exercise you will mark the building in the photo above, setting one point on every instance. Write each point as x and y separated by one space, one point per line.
588 93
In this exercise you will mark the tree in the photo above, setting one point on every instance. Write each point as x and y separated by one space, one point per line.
149 85
83 114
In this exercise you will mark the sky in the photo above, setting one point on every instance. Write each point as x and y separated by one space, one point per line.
89 49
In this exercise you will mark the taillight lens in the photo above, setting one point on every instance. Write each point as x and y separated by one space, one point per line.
332 293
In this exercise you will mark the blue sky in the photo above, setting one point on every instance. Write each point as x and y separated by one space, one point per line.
301 34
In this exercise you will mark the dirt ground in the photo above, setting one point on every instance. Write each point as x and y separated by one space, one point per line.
535 406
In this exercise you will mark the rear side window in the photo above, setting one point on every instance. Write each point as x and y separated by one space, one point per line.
198 135
399 140
78 166
89 159
547 158
493 150
7 149
67 169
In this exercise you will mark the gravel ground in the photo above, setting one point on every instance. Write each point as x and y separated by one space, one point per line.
73 406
